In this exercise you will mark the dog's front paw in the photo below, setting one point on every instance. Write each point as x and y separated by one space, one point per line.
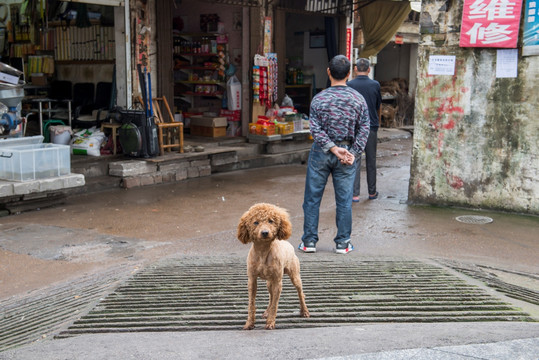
305 314
249 326
270 326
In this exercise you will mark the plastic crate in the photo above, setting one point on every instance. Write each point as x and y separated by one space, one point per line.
27 159
285 128
296 120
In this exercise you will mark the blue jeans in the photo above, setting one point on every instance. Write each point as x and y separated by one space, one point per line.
319 167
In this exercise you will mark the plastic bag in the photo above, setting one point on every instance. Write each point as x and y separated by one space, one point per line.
233 88
88 142
287 102
60 134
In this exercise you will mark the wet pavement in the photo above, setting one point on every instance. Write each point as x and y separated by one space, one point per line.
121 231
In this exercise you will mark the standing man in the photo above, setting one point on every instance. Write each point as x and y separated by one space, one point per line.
339 123
370 89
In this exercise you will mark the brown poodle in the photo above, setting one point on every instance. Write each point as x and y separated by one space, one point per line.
267 227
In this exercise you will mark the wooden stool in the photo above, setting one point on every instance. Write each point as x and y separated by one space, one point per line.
113 127
170 133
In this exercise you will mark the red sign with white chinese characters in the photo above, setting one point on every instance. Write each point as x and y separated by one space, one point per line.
490 23
349 42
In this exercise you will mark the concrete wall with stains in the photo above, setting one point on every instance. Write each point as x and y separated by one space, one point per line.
476 138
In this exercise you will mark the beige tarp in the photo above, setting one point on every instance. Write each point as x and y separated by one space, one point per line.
379 22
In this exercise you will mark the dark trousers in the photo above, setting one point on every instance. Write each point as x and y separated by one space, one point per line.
370 164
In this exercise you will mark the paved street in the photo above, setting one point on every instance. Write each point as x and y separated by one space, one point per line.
84 251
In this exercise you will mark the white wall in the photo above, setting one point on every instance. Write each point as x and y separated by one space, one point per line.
318 59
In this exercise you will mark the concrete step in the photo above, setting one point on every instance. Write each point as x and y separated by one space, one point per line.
92 166
248 155
96 184
263 160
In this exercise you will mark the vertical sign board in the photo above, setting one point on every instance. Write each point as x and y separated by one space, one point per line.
349 42
490 23
349 37
530 45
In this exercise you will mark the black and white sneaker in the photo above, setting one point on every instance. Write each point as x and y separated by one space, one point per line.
307 247
344 247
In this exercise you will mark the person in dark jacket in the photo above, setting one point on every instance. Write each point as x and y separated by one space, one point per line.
370 89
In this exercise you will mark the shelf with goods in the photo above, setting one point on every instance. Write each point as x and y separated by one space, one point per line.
199 69
301 95
42 50
94 44
30 48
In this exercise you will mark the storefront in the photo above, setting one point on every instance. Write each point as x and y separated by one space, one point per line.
276 50
272 57
208 64
271 51
195 52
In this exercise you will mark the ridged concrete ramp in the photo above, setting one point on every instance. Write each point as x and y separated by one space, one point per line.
42 314
210 293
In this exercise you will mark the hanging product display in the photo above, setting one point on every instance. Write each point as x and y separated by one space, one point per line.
265 79
222 59
272 78
256 84
264 84
259 81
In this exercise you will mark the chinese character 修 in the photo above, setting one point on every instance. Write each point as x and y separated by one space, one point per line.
493 33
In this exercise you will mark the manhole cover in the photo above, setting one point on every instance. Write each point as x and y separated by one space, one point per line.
474 219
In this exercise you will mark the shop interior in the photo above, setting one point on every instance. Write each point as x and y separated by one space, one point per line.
207 62
66 54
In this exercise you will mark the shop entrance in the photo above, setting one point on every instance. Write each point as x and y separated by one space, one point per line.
306 58
396 71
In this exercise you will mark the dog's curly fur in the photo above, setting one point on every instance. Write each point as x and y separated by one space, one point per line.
271 256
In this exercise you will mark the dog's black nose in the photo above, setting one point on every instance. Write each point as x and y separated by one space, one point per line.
265 233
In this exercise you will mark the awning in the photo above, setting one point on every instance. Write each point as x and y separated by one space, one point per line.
380 20
101 2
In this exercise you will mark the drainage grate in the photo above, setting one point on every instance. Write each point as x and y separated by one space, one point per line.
211 294
474 219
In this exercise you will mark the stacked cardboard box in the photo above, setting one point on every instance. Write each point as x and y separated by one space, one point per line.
208 126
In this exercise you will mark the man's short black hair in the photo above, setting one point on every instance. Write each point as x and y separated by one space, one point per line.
363 64
339 67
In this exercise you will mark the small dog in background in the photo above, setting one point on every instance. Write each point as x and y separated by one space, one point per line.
271 256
